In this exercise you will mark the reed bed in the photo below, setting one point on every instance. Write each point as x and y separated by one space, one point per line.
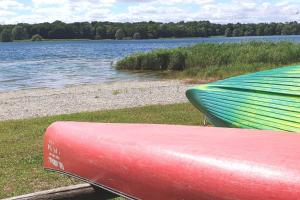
215 60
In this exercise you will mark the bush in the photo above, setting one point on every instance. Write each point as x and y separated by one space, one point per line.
6 36
36 38
137 36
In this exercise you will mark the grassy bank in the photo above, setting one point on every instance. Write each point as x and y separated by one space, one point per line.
215 61
21 143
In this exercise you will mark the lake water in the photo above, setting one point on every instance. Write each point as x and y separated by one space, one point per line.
25 65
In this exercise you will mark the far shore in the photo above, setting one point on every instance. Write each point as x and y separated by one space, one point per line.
131 39
33 103
124 39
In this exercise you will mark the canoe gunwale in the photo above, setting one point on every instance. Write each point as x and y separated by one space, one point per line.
92 183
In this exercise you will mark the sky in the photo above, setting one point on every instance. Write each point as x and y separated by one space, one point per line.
217 11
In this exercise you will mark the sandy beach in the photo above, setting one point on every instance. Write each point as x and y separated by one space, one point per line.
46 102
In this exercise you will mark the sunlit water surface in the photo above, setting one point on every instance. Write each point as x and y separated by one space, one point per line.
25 65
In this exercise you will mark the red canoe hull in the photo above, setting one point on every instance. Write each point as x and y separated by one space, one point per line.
177 162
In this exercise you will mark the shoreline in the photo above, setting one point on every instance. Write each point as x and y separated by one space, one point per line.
32 103
161 38
78 40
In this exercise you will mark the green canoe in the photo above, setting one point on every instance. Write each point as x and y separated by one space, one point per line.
264 100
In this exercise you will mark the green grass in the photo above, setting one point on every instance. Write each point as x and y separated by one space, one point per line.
212 61
21 143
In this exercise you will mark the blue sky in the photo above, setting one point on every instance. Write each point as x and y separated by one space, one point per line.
218 11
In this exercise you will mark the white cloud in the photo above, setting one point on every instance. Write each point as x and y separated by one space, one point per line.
10 8
13 11
11 4
233 11
5 13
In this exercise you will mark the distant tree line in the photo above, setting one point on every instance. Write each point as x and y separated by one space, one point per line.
141 30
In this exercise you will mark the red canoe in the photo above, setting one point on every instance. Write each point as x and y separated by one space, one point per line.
177 162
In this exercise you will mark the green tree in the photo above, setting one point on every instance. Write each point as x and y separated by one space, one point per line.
228 32
203 32
19 33
41 29
119 34
100 32
87 31
289 29
236 32
6 36
110 32
58 30
259 31
269 30
249 30
146 30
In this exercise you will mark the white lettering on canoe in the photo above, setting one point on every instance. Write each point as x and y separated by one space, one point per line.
54 156
56 163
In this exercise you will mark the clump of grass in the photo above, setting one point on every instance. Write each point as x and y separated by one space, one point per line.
116 92
214 61
156 60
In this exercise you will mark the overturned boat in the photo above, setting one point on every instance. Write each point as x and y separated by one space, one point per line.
141 161
264 100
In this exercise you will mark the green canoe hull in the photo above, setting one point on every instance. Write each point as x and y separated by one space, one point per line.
268 100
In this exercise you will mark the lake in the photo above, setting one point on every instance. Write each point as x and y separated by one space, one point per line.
51 64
